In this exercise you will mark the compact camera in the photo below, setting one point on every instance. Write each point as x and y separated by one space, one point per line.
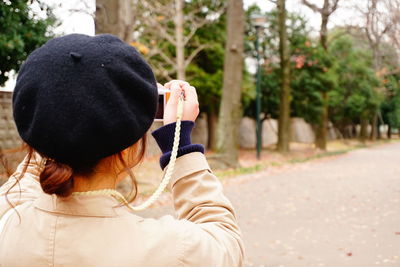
163 97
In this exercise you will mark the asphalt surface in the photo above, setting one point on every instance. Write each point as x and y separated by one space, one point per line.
336 211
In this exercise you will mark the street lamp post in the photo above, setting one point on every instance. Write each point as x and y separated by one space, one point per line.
258 22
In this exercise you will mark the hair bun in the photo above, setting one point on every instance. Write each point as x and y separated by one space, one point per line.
56 178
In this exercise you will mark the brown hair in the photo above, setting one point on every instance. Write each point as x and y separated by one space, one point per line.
58 178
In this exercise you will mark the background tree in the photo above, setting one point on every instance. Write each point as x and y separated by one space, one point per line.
205 73
114 16
329 6
166 30
22 30
204 44
390 107
390 80
285 95
309 63
354 100
378 23
394 33
230 110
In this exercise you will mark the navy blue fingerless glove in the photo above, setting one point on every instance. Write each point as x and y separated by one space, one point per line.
164 137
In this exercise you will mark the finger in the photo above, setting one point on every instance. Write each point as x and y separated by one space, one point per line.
190 93
168 84
159 85
181 83
176 92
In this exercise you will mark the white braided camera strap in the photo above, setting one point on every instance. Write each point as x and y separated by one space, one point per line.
171 165
167 177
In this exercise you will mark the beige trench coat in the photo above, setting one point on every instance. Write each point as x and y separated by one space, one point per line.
95 231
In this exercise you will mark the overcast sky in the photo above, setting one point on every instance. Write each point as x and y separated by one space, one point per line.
79 22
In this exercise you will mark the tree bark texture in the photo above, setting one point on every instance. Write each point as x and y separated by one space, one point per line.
376 27
321 134
115 17
378 128
364 130
285 95
180 46
374 127
389 131
212 122
230 109
329 6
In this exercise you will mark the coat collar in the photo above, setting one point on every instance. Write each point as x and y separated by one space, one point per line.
77 205
80 205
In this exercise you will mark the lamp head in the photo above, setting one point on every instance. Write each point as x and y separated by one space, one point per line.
258 20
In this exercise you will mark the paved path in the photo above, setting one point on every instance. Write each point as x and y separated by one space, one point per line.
341 211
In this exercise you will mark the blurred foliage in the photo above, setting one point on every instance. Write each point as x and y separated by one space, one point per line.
390 107
22 30
310 67
205 72
356 96
356 91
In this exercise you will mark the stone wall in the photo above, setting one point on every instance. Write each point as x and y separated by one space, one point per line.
269 132
301 131
247 133
200 133
9 137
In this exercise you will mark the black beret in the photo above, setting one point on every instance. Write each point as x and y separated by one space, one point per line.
80 98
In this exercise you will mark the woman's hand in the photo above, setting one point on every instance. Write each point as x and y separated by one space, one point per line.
190 106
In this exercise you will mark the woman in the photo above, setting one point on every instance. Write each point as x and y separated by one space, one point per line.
83 106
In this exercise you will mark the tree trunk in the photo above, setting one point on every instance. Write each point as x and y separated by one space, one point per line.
378 130
212 128
180 46
285 97
324 32
389 132
364 130
115 17
230 109
321 135
327 10
374 128
354 131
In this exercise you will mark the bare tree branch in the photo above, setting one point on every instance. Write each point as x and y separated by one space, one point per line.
194 53
194 28
164 56
166 23
197 24
334 7
85 9
312 6
378 24
162 30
